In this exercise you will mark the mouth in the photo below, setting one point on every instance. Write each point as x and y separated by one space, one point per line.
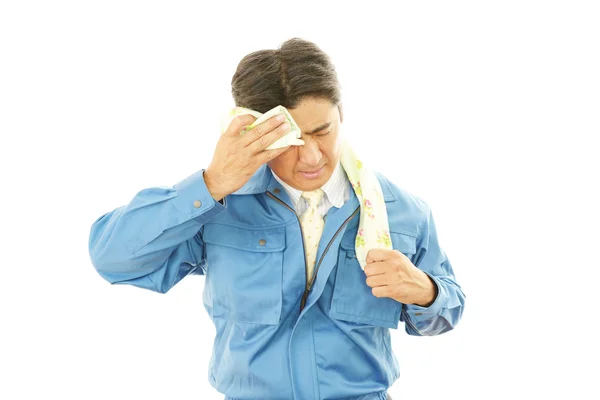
313 174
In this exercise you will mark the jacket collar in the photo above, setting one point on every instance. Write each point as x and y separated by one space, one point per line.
258 183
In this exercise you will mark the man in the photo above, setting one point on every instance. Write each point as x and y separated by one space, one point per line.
290 324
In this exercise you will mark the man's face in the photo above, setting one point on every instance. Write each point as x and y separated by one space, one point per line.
308 167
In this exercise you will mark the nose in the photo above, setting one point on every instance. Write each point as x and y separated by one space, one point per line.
309 153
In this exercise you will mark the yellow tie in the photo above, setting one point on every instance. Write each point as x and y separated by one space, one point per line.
312 228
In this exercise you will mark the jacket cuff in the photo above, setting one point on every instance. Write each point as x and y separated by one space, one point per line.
418 313
194 200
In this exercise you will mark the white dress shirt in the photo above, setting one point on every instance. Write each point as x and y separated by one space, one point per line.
337 192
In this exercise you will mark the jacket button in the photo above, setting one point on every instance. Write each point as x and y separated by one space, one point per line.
276 191
197 203
262 242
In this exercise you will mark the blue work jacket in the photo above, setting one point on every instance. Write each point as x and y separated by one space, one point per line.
276 336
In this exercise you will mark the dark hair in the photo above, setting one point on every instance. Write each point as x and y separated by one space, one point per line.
298 69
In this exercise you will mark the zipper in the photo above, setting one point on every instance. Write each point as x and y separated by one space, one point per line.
306 287
307 291
309 282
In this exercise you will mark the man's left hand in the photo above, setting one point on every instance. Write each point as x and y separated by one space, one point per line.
391 274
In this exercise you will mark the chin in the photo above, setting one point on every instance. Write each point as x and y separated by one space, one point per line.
308 187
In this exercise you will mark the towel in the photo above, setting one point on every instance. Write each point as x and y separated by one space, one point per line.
373 228
292 138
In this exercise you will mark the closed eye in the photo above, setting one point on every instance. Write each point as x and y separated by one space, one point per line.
319 129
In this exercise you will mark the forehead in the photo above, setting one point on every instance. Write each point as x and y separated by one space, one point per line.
313 112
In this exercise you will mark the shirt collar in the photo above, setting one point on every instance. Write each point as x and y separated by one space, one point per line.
335 188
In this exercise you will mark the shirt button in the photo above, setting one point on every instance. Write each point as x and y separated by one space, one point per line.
262 242
276 191
197 203
418 314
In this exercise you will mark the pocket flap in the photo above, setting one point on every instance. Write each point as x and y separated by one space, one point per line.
404 242
262 240
401 241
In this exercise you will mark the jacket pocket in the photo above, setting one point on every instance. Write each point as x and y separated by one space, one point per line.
244 270
353 299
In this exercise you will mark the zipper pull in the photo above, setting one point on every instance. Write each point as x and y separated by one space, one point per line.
304 297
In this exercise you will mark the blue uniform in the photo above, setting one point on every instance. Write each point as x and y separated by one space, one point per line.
276 337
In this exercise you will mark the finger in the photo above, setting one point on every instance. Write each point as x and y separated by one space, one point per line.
376 268
268 155
382 291
238 123
255 133
375 255
378 280
268 139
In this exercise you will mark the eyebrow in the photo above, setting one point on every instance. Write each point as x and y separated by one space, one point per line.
320 128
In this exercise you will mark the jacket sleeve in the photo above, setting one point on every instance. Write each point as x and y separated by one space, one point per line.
446 310
154 241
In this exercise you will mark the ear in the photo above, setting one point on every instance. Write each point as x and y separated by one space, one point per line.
341 110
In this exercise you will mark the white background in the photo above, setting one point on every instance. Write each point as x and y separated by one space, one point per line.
488 111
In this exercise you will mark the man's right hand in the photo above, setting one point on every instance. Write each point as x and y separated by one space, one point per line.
237 157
